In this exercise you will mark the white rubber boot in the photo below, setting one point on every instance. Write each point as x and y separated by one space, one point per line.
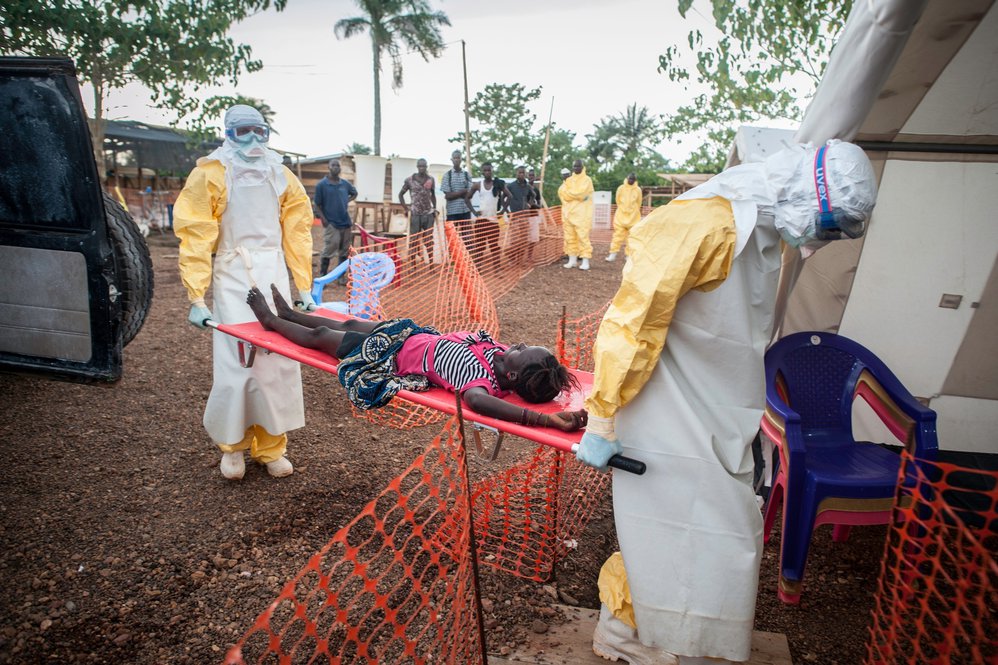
614 640
584 265
611 257
233 466
572 262
280 467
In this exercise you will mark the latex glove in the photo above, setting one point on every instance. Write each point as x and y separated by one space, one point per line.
306 304
199 312
596 451
599 443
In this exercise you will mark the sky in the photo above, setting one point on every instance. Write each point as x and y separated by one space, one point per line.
593 57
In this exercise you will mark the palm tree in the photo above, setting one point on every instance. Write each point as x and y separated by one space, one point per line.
626 137
639 131
394 24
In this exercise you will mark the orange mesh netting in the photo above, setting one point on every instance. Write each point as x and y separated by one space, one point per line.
397 584
528 515
576 338
936 600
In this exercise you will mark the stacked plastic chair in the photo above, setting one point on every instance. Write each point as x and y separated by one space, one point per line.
823 475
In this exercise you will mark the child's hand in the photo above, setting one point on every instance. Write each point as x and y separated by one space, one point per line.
568 421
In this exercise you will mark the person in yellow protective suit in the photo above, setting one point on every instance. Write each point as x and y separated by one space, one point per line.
679 384
576 194
627 215
242 205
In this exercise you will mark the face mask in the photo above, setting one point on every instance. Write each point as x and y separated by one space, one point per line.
252 149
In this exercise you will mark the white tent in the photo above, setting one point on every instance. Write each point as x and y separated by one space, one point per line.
916 83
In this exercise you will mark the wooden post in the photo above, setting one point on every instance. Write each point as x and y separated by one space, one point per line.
467 121
544 154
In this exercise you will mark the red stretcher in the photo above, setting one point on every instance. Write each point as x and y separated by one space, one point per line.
252 337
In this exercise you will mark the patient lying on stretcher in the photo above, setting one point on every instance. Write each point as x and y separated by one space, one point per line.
379 358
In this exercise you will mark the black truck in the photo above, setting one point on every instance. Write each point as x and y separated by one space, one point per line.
76 278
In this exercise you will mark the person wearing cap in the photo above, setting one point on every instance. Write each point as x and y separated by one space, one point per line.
243 206
576 194
679 383
564 174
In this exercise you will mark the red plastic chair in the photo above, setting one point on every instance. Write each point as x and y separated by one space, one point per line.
824 476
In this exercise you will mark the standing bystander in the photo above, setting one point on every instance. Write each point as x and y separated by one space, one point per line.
423 211
455 185
493 200
521 198
332 194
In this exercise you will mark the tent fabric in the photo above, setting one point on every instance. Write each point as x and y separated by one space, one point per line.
921 81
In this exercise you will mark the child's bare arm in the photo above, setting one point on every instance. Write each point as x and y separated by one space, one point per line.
481 401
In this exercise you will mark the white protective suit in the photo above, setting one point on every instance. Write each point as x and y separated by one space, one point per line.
679 371
256 218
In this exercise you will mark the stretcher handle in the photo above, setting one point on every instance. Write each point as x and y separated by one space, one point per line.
628 464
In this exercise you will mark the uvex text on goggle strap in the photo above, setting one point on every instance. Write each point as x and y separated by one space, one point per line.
241 134
831 224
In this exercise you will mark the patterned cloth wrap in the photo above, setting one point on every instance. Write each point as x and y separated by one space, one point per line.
368 373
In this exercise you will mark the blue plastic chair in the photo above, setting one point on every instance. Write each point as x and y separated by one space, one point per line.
369 273
824 476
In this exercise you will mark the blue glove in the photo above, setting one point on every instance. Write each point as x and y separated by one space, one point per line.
306 304
198 314
596 451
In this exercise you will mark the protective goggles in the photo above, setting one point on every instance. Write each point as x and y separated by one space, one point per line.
244 133
831 224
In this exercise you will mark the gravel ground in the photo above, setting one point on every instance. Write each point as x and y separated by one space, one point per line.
121 542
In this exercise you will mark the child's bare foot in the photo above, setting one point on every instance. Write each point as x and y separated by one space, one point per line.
284 310
258 304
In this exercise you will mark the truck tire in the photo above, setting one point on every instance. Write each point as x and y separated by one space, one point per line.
134 268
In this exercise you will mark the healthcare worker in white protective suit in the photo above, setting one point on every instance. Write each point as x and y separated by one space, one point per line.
242 205
679 384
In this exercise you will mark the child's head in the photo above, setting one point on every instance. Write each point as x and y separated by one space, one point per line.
536 374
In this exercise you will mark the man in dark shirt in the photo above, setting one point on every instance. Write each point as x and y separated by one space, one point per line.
521 194
455 184
521 197
332 195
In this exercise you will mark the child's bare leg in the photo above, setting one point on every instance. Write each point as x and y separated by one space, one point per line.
288 313
320 337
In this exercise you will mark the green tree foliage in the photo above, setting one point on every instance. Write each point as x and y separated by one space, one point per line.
173 47
357 149
624 143
508 136
394 25
770 55
627 138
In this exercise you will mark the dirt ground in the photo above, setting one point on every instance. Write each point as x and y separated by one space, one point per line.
121 542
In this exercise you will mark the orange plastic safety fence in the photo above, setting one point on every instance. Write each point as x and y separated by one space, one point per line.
397 584
528 515
937 601
576 337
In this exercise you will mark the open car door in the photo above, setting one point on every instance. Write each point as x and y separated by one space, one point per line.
60 292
